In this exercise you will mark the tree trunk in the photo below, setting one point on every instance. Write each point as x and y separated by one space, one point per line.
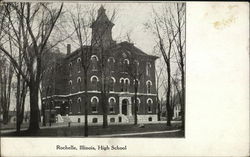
43 113
105 116
5 117
86 105
18 124
169 115
183 99
159 111
34 109
135 106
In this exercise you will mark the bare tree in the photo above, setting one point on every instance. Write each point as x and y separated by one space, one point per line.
103 42
6 75
160 25
178 26
159 83
135 73
81 21
31 26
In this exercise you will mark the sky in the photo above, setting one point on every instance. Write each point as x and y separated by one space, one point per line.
131 18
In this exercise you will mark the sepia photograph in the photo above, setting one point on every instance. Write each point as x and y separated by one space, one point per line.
93 69
124 78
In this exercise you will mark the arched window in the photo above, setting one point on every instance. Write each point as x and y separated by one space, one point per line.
70 68
70 86
127 82
79 79
122 84
148 67
112 84
150 105
94 104
79 64
79 100
149 84
94 60
111 63
94 81
112 102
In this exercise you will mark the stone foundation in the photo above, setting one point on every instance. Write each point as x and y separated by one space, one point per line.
113 119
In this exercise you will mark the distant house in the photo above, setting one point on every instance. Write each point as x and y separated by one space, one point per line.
63 91
175 105
12 116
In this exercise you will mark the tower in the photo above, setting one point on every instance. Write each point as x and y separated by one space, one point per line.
102 30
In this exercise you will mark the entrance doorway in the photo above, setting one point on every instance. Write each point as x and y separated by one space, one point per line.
124 106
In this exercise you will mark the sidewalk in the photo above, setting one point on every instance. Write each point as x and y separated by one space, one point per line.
63 125
140 133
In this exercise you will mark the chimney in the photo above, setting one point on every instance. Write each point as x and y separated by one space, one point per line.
68 49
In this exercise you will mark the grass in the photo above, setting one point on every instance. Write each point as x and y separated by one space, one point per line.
78 131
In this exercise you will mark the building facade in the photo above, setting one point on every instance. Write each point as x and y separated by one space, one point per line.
114 67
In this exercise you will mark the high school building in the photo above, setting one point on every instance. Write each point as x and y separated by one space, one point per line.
63 86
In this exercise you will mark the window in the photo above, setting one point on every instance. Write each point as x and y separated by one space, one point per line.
79 64
70 86
125 65
126 89
148 67
79 100
112 120
150 119
94 120
112 84
94 81
79 82
112 102
94 60
94 104
149 103
111 63
70 68
136 66
149 84
122 84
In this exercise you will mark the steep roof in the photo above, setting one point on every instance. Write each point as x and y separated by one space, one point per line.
134 50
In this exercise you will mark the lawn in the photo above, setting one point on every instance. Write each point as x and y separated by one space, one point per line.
78 131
